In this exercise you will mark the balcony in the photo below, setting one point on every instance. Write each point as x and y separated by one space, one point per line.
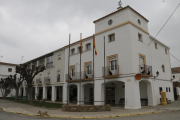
145 71
111 71
85 76
50 64
47 80
39 81
41 65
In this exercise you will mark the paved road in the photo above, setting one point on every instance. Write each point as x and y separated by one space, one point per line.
169 115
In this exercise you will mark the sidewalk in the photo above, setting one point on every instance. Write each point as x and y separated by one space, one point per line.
115 111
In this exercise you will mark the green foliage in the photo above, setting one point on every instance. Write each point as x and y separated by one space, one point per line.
38 104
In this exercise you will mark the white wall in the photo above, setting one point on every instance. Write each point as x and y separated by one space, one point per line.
4 74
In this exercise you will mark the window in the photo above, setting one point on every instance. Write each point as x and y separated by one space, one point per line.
72 72
113 65
49 59
9 69
139 22
58 78
111 37
166 89
88 69
88 46
166 51
72 51
79 49
169 89
160 89
140 37
155 45
163 68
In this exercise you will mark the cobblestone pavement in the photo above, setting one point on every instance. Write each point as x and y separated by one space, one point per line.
23 108
169 115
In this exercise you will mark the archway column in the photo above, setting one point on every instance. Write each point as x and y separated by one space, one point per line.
36 92
65 93
132 94
99 93
78 94
44 92
53 93
151 93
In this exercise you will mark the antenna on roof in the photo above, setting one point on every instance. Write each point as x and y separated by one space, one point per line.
120 5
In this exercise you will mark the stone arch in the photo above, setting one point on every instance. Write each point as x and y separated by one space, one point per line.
114 92
146 93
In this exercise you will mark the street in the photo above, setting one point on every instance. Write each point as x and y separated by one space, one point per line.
169 115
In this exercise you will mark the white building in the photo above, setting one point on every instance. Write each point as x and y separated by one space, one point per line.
7 69
49 83
130 50
176 82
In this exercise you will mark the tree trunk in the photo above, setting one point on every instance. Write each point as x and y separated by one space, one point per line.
17 94
5 92
30 94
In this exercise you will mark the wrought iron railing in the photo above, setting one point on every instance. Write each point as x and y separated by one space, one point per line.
41 65
110 70
84 75
50 64
47 80
145 70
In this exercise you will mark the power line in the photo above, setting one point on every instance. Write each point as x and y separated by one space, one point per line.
174 57
165 22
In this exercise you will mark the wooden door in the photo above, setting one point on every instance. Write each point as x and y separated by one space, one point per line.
91 95
110 95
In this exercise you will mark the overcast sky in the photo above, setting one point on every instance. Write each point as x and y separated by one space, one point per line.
31 28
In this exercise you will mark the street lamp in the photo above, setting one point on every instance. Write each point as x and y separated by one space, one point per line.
157 74
173 77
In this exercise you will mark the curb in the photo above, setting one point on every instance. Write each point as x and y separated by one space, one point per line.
36 115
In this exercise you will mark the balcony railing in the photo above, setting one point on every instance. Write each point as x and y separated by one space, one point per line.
85 75
110 71
145 70
41 65
39 81
50 64
47 80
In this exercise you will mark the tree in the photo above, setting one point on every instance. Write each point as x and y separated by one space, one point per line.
16 83
6 86
29 75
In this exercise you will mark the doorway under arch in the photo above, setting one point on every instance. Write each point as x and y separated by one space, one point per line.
146 94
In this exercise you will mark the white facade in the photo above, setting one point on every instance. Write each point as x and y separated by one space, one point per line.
127 50
127 53
7 69
49 83
176 82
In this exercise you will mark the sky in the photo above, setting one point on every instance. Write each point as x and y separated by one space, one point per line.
31 28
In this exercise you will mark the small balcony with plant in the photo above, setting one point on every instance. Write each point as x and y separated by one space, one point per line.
80 76
47 80
145 71
110 71
39 81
